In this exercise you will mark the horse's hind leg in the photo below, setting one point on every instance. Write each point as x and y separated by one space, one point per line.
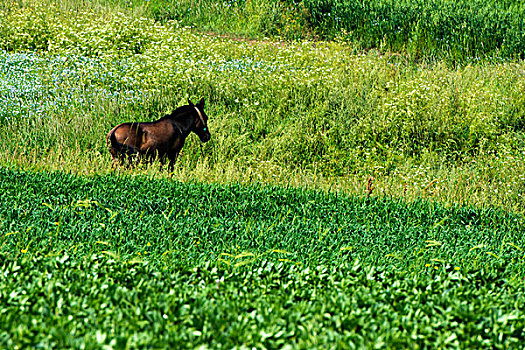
162 161
117 158
120 160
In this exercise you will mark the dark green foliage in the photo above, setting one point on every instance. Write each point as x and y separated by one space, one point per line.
132 215
226 266
446 29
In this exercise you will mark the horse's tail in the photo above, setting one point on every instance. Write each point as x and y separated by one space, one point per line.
111 140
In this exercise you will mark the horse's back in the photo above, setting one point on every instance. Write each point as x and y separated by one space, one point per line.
145 137
159 135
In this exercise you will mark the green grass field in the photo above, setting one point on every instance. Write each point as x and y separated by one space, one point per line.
359 191
131 262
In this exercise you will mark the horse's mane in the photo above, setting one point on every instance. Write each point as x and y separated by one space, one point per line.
177 113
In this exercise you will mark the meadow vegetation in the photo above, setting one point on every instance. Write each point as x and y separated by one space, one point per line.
272 219
306 113
453 30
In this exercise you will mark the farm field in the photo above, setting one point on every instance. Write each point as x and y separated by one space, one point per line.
356 193
130 262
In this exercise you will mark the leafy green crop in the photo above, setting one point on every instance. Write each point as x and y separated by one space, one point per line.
97 301
131 261
171 222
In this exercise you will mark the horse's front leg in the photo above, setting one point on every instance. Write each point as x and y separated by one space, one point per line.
134 159
149 157
162 161
172 157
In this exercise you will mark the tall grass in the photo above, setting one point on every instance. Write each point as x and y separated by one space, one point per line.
454 30
314 113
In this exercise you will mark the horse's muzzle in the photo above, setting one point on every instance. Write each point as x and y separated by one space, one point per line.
205 137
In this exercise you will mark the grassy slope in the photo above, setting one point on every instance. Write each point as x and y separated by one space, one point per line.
160 262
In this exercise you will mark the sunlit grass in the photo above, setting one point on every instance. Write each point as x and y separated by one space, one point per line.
315 114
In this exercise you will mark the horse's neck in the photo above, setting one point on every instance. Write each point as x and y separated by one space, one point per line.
184 123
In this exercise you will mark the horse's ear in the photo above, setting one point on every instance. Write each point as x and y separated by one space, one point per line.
190 103
201 103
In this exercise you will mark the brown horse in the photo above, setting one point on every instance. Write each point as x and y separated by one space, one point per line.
160 139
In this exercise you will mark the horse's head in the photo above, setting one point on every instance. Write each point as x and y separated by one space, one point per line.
201 123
